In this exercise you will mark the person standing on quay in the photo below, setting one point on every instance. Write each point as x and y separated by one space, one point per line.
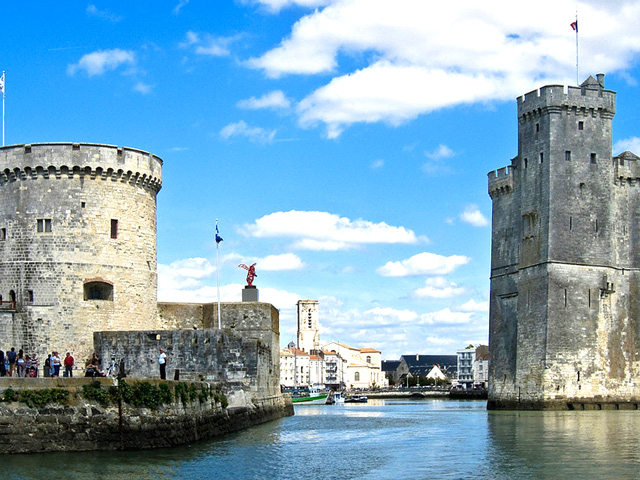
3 370
55 364
12 356
68 365
162 361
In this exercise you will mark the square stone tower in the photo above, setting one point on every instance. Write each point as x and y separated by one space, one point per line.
308 328
564 303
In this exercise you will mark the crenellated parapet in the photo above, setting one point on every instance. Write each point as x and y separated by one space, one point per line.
80 160
500 182
627 169
589 99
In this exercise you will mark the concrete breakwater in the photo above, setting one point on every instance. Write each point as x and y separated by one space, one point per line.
88 415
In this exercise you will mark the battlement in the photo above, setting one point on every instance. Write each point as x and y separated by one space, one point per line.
591 95
88 160
627 169
500 181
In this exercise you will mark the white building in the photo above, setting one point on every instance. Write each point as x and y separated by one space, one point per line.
481 367
465 367
295 367
363 365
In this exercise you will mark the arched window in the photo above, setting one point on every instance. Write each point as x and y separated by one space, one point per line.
368 358
356 376
98 289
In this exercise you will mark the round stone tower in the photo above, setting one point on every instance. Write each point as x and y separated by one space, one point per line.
77 244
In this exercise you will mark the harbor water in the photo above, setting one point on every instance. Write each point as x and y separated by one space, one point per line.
382 439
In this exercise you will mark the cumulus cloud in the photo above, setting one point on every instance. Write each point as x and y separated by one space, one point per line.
277 5
441 152
209 45
439 287
423 264
142 88
326 231
474 216
242 129
631 144
473 306
446 316
286 261
93 11
377 164
102 61
274 100
423 56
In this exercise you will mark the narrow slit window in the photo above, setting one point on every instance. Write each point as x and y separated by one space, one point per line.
567 155
30 295
541 157
570 223
537 127
593 158
114 228
526 161
580 125
3 233
565 298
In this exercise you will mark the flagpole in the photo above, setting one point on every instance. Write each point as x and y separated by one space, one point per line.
218 240
577 70
3 108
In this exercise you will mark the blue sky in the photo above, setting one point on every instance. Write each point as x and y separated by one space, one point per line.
342 144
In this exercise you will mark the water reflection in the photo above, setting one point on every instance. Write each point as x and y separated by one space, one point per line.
590 444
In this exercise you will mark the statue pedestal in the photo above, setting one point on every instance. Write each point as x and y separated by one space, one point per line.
250 293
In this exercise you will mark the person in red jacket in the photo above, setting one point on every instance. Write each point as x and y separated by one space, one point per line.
68 365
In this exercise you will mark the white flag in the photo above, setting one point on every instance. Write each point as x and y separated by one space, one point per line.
2 83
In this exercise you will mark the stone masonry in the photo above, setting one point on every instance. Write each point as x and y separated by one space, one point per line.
565 258
77 244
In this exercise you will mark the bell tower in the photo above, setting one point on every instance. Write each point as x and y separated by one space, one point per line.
308 328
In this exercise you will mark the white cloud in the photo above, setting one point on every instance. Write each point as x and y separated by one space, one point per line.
327 231
274 100
423 264
286 261
207 44
446 316
377 164
389 316
442 341
277 5
473 306
631 144
474 216
439 287
93 11
102 61
425 56
441 152
181 3
142 88
242 129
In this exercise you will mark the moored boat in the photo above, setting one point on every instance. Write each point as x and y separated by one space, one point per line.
309 396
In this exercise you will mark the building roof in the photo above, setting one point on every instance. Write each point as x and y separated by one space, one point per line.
430 360
390 365
369 350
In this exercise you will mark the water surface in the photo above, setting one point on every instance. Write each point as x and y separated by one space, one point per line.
384 439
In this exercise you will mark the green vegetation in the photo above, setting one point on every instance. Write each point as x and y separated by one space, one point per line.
37 398
136 394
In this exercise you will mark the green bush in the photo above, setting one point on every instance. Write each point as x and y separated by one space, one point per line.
40 398
94 391
10 395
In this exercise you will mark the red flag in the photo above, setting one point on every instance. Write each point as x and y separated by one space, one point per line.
574 25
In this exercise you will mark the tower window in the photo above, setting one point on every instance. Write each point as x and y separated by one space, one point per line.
537 127
526 161
30 296
580 125
114 228
593 158
98 290
567 155
44 225
3 233
541 157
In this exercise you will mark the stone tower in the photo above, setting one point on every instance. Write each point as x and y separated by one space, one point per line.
564 304
308 328
77 244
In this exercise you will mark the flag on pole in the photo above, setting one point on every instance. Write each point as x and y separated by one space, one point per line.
218 237
2 83
574 25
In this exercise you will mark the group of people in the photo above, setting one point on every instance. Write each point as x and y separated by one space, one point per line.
22 365
18 364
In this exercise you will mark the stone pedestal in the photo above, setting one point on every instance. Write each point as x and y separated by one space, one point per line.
250 293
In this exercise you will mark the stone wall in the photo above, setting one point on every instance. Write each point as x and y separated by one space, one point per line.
77 244
84 425
564 303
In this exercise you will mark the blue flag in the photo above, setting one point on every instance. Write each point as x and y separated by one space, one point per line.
218 237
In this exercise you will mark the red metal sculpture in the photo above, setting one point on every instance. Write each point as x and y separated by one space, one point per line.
251 272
